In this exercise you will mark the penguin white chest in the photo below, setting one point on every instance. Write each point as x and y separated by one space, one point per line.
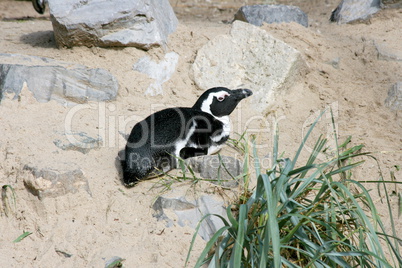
225 129
219 139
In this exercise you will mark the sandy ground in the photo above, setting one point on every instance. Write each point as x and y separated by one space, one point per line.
344 72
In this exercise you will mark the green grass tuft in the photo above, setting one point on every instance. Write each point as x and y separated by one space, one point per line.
309 215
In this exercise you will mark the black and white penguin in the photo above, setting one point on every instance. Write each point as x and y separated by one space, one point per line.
155 143
39 5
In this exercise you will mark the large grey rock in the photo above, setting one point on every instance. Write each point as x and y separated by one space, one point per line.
190 213
257 14
48 79
351 10
248 57
394 99
49 182
137 23
219 169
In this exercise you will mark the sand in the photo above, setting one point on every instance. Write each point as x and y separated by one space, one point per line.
344 72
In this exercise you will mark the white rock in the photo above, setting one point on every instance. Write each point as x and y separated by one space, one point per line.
248 57
160 72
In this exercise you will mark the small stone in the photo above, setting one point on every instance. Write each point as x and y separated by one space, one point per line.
162 203
8 201
221 170
351 10
190 213
394 99
257 14
48 182
387 52
78 141
335 62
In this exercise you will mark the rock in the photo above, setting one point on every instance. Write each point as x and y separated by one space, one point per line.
351 10
251 58
78 141
137 23
335 62
388 52
49 79
8 201
169 203
257 14
49 182
191 213
160 72
394 99
221 170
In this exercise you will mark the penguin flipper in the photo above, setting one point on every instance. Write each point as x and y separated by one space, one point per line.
188 152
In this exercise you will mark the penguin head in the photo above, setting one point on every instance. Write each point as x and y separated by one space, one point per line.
221 101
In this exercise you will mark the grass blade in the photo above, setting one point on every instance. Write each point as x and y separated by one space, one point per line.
21 237
238 249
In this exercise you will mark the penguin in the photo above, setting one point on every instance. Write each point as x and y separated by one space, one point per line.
39 5
155 143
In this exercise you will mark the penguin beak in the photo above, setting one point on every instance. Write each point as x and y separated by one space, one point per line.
240 94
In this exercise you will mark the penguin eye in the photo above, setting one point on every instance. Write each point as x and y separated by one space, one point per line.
222 96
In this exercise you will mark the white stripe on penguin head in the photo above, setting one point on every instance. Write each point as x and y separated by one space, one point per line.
206 104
